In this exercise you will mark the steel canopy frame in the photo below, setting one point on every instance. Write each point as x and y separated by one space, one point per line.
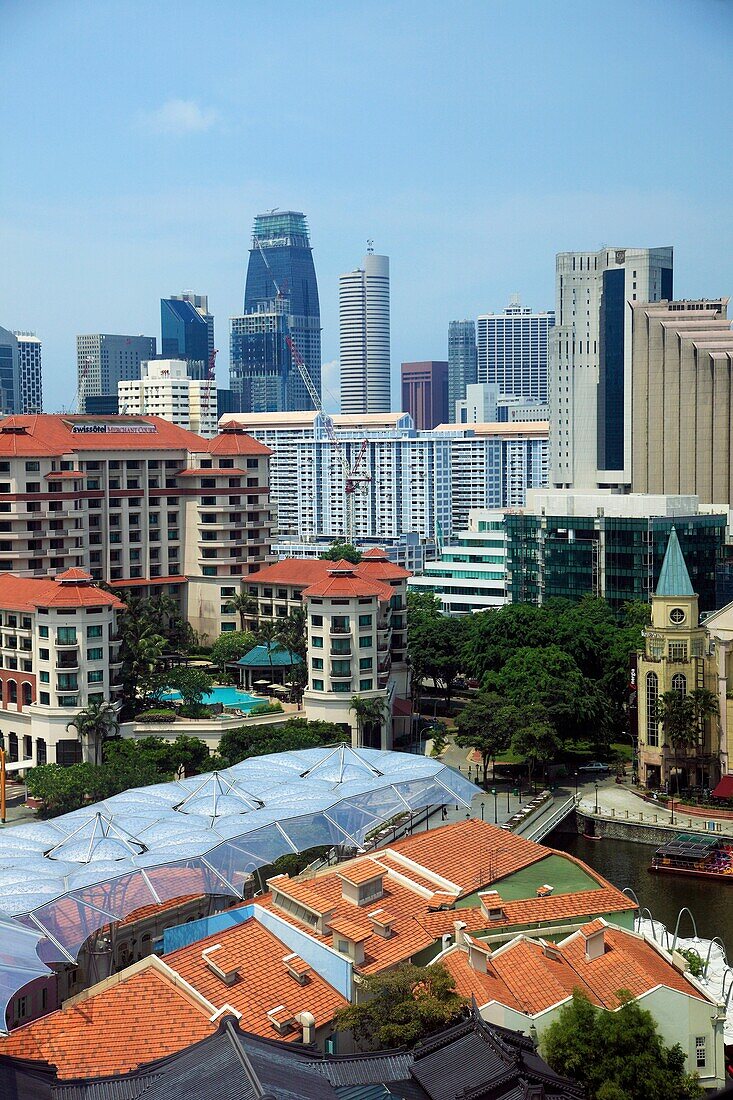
63 880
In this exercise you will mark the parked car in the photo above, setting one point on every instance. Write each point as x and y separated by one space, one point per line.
594 766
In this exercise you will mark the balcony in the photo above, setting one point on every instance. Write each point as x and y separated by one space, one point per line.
67 663
340 675
66 645
339 628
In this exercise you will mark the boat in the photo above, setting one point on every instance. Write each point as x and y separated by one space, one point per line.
692 854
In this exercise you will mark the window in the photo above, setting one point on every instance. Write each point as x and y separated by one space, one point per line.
366 685
342 687
68 681
652 709
95 654
43 654
365 664
366 641
678 651
209 571
341 668
95 677
69 700
225 627
316 620
316 642
43 632
45 698
32 467
700 1044
318 685
365 620
44 677
21 1008
66 635
317 663
679 683
94 632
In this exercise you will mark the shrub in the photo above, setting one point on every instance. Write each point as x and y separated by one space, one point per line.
157 716
266 708
194 710
694 961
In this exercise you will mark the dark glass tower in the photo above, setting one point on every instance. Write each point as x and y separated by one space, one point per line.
280 301
185 335
462 362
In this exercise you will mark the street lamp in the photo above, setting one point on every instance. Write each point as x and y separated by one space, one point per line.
671 806
576 786
482 811
595 784
2 784
507 800
496 805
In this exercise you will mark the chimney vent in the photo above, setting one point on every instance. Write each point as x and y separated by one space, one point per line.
551 951
382 922
281 1019
297 968
228 975
544 891
595 944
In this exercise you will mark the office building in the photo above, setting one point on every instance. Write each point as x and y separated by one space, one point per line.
512 350
407 550
187 332
9 372
364 339
462 362
103 404
470 574
166 389
31 375
280 303
590 380
682 400
102 361
605 544
419 482
425 393
137 502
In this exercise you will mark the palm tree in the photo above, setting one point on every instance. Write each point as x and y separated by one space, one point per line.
679 722
93 725
368 712
244 606
268 634
704 706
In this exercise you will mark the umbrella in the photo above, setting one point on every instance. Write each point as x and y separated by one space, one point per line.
263 683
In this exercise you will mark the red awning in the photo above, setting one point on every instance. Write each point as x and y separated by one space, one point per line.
724 789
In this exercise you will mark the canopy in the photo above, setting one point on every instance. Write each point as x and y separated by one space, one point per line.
724 788
61 880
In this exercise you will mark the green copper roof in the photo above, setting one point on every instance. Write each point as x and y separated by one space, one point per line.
674 580
277 656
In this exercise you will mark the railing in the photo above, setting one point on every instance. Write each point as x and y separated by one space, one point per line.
339 628
546 826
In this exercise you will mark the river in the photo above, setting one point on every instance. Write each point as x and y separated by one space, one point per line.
626 864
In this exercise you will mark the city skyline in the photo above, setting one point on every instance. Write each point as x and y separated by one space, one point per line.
469 226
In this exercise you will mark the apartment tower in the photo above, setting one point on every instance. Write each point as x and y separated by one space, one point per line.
102 361
462 362
364 337
512 350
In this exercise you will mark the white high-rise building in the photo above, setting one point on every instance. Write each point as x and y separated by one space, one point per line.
364 337
31 378
590 361
165 389
512 350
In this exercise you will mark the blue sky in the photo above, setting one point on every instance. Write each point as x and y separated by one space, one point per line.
470 140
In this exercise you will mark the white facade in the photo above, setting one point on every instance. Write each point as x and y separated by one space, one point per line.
470 574
31 377
164 389
364 337
512 350
589 386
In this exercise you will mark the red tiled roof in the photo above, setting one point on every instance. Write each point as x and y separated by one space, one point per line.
233 440
361 870
382 569
262 983
342 580
302 572
135 582
350 929
51 434
142 1018
55 475
28 593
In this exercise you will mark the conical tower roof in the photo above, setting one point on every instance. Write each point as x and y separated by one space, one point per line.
674 580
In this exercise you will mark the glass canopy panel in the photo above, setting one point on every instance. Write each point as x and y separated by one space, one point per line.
313 832
260 848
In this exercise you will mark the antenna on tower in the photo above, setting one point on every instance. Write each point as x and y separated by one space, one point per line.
370 246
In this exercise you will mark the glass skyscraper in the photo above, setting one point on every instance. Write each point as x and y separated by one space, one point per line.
462 362
184 334
280 301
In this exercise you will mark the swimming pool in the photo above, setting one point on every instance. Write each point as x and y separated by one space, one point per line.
227 696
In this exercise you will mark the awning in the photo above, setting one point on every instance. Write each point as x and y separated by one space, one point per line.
724 789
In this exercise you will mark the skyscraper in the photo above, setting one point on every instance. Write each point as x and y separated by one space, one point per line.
9 373
425 393
187 331
589 380
103 360
461 362
512 350
364 337
280 302
31 377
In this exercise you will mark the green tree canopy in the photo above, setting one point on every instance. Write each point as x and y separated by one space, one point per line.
535 740
230 646
616 1055
341 550
93 725
402 1006
192 683
257 740
550 678
487 723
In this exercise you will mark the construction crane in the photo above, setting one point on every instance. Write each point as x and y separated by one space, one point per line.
354 481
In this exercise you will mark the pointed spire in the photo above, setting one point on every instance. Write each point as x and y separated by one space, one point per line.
674 580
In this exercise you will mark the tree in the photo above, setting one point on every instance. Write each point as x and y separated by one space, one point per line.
402 1006
140 652
487 724
341 550
616 1055
166 757
704 706
192 683
368 713
550 679
268 635
535 740
93 725
680 720
293 735
230 646
243 605
293 632
59 790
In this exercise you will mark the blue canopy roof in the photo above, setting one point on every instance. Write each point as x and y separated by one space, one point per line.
674 580
264 656
62 880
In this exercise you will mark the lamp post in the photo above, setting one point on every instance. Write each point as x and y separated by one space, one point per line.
2 785
496 805
482 811
507 800
671 806
595 784
576 786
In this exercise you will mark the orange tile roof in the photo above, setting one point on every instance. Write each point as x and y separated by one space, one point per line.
51 434
484 987
142 1018
303 572
233 440
350 929
28 593
361 870
382 569
471 853
262 984
200 471
342 580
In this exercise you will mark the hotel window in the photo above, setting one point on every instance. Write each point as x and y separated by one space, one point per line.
95 654
94 632
318 685
652 709
700 1052
679 683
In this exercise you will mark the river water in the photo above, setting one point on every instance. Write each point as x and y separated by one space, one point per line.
626 864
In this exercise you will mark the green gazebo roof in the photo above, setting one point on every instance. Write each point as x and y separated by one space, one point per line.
674 580
265 656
